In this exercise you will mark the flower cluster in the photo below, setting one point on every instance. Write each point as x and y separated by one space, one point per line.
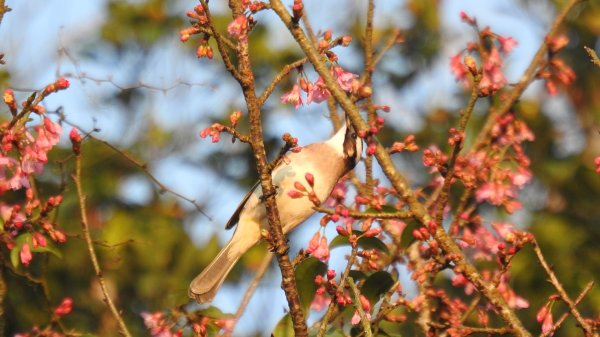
498 172
24 149
491 49
317 91
556 70
175 324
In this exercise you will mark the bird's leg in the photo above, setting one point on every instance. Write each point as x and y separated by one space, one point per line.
264 197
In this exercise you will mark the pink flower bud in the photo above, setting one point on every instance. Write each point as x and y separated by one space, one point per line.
64 308
25 254
372 232
310 179
341 231
298 186
295 194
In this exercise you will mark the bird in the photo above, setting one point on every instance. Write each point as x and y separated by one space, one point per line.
327 161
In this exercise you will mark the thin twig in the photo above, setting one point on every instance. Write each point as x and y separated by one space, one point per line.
90 246
141 165
366 323
260 272
332 304
511 98
589 332
221 44
373 215
593 56
564 316
278 78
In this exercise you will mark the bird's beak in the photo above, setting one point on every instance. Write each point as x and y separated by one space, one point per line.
352 144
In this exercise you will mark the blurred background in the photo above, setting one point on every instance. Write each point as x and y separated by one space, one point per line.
146 93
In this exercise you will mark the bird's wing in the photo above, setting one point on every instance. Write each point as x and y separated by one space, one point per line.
235 217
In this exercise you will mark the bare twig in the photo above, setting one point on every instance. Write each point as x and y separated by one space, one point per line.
260 272
342 284
564 316
373 215
278 78
593 56
141 165
511 98
90 246
589 332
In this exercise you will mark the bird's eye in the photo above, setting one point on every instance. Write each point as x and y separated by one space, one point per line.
354 135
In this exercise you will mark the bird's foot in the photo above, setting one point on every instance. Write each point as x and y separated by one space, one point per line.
265 196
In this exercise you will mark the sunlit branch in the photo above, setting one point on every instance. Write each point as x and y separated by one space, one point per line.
90 246
589 332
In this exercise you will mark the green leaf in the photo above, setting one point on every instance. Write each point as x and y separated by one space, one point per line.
384 209
376 285
285 327
305 279
49 248
15 259
364 242
335 333
213 312
357 275
407 237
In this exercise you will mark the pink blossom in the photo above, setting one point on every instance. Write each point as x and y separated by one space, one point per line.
492 79
157 325
12 176
459 280
507 44
512 299
366 305
65 307
38 240
314 243
347 80
318 247
494 192
238 28
25 254
597 163
466 18
320 302
458 68
503 230
548 324
521 178
292 96
317 92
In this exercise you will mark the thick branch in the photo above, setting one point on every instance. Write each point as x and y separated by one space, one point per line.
278 240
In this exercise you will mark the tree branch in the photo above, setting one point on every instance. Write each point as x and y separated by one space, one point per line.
398 181
589 332
90 246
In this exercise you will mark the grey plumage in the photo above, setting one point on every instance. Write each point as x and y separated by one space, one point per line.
328 161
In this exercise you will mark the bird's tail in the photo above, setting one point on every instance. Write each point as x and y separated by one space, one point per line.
204 287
